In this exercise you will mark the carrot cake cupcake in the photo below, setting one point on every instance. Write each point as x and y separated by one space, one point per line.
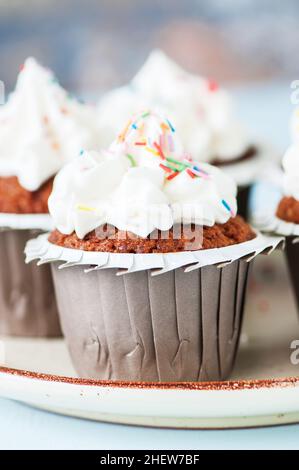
41 128
141 228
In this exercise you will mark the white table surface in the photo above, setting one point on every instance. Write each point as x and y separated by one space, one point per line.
266 109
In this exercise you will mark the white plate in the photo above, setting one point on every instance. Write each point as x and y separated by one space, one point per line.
264 388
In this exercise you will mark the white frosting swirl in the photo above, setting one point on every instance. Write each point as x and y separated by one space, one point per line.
290 163
42 127
200 110
140 184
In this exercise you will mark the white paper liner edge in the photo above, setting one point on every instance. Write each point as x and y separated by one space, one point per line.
44 251
26 222
274 225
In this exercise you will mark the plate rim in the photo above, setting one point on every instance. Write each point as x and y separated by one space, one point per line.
227 385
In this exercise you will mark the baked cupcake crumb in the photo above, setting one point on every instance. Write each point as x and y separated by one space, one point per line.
288 209
14 199
234 231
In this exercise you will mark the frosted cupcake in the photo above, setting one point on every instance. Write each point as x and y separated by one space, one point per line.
140 229
287 213
200 110
41 128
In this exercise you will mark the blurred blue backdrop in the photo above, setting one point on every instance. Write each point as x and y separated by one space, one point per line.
94 45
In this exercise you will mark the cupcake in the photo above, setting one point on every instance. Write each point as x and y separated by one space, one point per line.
200 110
41 128
148 259
286 219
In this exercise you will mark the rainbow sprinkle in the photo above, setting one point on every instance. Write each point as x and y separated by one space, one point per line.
165 168
212 85
170 125
85 208
190 173
159 149
132 160
173 175
152 151
227 207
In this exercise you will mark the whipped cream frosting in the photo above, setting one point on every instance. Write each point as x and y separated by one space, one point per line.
200 110
290 163
42 127
144 181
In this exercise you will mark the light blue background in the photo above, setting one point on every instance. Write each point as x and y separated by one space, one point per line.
22 427
266 109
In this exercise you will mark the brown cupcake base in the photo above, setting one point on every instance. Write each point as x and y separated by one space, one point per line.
27 299
14 199
236 230
288 210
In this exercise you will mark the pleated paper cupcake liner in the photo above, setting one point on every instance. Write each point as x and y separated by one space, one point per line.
27 300
151 317
174 327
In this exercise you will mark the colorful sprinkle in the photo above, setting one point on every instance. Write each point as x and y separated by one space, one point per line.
212 85
173 175
122 135
85 208
55 145
165 168
227 207
179 163
170 125
190 173
164 127
152 151
132 160
81 152
160 151
170 143
200 172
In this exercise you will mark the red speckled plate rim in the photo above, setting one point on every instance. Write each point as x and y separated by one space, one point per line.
228 385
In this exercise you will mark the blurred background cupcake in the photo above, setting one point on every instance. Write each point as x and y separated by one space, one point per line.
199 109
41 128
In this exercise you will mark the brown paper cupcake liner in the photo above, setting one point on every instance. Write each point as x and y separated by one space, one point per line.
274 225
27 300
151 317
174 327
292 255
